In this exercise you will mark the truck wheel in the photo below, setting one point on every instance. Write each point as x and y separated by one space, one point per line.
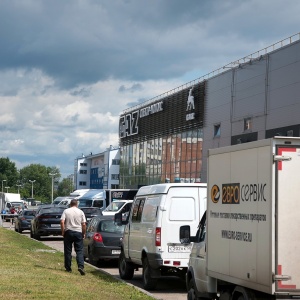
191 291
126 270
148 282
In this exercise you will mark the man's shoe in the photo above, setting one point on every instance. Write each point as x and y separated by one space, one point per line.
69 270
81 271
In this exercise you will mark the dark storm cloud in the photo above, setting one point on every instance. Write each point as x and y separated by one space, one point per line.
83 42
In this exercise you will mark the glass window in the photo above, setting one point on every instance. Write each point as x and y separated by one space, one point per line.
217 130
110 226
247 124
137 210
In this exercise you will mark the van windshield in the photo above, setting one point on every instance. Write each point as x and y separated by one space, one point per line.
85 203
114 206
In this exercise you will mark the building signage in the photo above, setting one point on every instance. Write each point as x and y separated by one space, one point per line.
190 106
174 113
129 124
151 109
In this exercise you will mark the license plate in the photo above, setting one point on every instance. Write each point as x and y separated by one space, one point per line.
115 251
180 248
55 225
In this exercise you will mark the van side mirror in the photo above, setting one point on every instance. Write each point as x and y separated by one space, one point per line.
185 234
120 219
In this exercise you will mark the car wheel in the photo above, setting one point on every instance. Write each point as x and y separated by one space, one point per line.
148 282
16 229
90 257
37 237
20 230
126 270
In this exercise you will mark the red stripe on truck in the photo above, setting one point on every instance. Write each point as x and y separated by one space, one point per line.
280 284
280 150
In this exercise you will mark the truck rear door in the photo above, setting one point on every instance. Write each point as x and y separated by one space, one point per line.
288 220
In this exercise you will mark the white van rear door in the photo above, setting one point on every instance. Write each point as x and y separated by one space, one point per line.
287 223
180 208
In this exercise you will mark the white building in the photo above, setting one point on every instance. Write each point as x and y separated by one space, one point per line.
98 171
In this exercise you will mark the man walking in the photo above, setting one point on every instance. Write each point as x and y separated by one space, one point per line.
73 228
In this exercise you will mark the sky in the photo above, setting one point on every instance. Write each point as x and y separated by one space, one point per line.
68 68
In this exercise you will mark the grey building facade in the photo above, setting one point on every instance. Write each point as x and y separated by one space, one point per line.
253 98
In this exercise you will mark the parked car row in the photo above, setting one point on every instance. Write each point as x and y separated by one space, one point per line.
103 236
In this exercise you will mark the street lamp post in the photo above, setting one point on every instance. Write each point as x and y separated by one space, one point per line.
32 181
2 184
52 177
19 185
7 187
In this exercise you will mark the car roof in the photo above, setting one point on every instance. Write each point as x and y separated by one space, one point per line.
51 206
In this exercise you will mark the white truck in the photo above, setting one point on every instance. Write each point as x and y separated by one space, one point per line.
248 242
9 200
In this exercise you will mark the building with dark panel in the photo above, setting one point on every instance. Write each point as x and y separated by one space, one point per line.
256 97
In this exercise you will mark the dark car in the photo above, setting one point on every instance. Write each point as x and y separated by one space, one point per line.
23 220
46 221
103 240
91 212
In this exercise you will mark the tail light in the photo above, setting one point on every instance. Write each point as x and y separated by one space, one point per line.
97 237
157 236
23 218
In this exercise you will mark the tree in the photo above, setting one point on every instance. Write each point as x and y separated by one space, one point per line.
9 173
36 178
65 187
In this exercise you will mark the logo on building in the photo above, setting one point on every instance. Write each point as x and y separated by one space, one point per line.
190 106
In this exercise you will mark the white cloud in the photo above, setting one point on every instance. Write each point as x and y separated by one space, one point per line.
68 69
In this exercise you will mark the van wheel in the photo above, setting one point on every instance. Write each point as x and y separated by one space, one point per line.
148 282
191 291
126 270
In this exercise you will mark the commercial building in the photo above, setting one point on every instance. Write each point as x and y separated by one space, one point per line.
256 97
98 171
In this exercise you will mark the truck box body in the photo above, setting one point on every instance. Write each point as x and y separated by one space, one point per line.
253 215
11 199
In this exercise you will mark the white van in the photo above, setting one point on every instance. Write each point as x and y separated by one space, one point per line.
151 237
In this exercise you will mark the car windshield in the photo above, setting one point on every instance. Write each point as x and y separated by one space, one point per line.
110 226
114 206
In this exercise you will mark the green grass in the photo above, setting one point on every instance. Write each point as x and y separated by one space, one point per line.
31 270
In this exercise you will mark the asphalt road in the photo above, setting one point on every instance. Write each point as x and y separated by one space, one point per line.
168 288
